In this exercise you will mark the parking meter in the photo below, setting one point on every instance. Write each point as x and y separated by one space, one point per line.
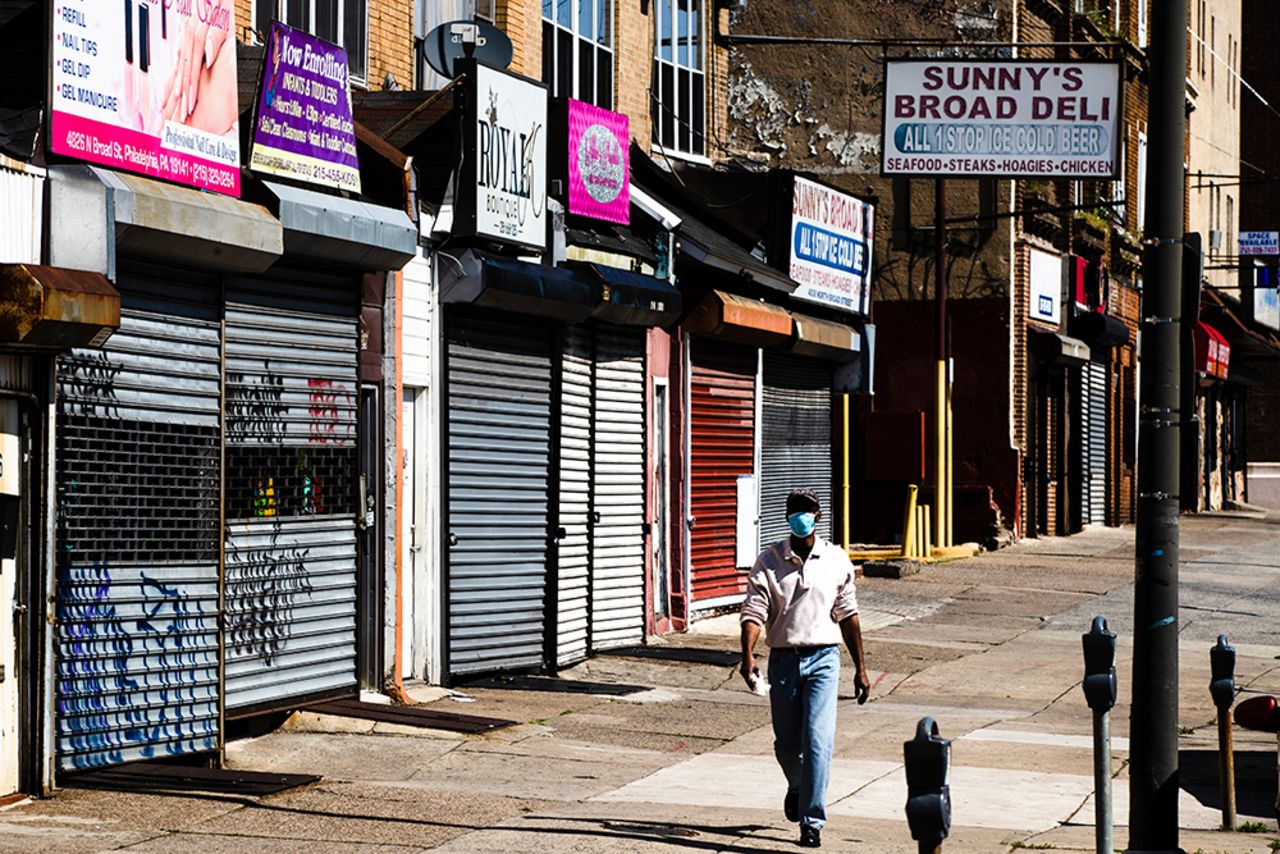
1222 664
1100 666
927 758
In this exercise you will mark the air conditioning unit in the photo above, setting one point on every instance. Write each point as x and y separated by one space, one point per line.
1215 239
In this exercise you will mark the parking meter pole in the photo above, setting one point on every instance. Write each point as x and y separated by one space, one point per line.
1226 770
1222 688
1103 820
930 848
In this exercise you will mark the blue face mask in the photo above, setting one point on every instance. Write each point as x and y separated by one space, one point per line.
802 523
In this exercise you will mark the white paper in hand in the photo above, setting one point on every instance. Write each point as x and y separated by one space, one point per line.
759 685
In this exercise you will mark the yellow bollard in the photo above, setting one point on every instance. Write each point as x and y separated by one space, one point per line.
909 522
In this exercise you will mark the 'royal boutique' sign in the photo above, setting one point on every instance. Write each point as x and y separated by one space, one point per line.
504 191
599 163
830 247
1010 118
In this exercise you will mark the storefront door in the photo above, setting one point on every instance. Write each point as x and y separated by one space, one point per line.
796 440
499 452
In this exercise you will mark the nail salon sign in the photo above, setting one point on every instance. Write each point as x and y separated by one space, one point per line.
148 86
303 127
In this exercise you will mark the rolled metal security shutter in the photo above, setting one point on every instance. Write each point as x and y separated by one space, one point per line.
573 566
499 457
617 490
291 497
795 449
1097 497
722 387
136 642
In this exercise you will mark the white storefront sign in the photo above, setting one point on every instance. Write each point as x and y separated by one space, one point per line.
830 247
1009 118
1260 243
1266 299
508 153
1046 287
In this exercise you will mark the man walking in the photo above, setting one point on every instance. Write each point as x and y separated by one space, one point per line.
801 592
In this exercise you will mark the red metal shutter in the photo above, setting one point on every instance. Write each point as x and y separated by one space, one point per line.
722 386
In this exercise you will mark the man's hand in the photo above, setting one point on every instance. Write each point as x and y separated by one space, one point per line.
748 670
750 634
861 687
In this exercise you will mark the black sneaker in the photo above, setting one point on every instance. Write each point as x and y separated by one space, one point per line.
791 806
810 837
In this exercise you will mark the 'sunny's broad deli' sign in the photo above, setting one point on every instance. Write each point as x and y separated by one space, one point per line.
1006 118
831 246
148 86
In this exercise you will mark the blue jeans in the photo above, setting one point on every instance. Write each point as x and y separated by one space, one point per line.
803 690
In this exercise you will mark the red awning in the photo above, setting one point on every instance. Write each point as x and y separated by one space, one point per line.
1213 353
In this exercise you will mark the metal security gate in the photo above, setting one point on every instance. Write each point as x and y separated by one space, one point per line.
291 494
499 437
573 566
722 388
1094 441
136 643
795 448
618 489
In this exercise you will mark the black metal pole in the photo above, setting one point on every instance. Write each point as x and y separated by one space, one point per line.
1153 729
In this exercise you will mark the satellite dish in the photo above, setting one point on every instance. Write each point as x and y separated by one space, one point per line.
455 40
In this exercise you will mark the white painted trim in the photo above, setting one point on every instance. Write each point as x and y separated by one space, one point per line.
676 154
701 605
654 208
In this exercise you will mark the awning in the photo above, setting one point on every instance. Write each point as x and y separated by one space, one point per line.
1213 353
97 215
703 244
740 319
824 339
1057 349
491 281
631 299
1100 330
342 231
53 307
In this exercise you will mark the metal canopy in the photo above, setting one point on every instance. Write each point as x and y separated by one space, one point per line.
103 215
345 231
633 299
740 319
490 281
1056 348
50 306
824 339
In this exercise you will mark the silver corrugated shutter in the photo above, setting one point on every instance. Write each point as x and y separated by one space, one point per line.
291 387
499 458
136 643
1096 492
617 489
575 497
795 450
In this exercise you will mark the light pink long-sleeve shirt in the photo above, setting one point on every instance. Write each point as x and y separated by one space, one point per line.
800 603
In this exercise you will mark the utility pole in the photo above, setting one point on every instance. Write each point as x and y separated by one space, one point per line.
1153 729
942 397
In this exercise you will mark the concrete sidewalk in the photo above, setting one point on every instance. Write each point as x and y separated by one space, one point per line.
990 647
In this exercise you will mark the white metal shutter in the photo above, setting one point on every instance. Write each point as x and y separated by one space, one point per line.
575 497
795 450
417 338
136 643
1097 438
292 395
617 490
499 458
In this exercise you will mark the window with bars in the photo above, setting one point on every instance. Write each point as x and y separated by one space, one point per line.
577 50
679 81
342 22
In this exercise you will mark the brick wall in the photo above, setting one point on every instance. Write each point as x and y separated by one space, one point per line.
633 68
390 38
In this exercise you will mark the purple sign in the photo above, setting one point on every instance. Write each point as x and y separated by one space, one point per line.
599 163
303 128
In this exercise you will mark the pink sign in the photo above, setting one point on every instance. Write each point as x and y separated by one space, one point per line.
599 163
